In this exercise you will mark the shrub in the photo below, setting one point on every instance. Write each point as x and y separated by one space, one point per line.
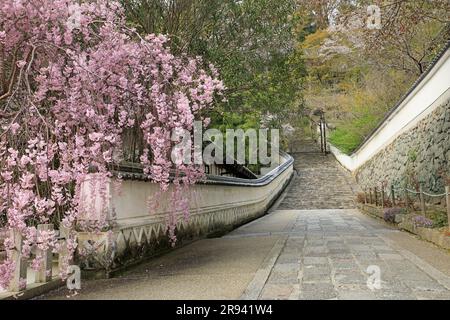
360 197
421 221
439 218
390 213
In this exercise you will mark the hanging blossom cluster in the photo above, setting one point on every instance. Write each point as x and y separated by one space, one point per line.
73 79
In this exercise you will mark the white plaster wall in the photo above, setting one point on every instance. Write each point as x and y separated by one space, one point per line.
431 92
131 207
212 206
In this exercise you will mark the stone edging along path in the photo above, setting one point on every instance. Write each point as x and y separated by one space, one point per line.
439 237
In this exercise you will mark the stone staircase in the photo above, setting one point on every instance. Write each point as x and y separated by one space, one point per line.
321 182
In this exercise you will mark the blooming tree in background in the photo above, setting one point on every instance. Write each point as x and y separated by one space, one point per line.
73 79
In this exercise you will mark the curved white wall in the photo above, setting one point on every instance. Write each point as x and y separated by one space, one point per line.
216 205
431 92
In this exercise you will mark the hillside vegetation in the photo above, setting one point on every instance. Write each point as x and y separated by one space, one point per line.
357 75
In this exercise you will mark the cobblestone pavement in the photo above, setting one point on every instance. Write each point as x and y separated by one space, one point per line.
320 183
287 254
322 252
327 253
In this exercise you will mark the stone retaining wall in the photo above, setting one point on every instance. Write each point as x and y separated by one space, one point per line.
420 154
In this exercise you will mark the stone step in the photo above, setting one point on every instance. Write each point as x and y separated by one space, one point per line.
321 182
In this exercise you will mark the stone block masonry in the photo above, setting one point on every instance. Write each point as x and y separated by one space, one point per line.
422 154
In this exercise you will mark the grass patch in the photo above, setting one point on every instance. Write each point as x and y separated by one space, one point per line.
350 134
346 141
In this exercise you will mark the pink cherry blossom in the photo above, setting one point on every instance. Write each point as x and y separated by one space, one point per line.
81 79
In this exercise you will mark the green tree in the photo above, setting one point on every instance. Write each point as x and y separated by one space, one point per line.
357 74
251 42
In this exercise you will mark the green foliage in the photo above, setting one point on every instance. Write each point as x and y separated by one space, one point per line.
412 155
350 75
347 141
439 218
349 135
251 42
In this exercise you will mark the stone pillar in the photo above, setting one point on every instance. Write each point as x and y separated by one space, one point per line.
422 201
19 280
44 274
406 197
63 259
393 195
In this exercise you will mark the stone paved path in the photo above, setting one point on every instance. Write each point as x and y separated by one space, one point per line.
321 252
321 183
326 255
288 254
